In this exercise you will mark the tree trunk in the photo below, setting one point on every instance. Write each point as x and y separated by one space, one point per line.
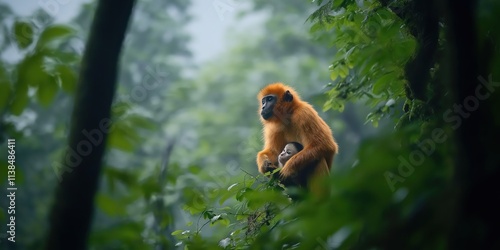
72 210
477 170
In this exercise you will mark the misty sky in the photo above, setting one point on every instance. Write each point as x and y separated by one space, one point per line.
211 22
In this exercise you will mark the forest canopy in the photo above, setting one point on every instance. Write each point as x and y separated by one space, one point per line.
118 132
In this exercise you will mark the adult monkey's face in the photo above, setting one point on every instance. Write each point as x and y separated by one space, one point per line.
268 103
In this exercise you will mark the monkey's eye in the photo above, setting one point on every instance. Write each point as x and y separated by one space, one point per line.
288 152
269 98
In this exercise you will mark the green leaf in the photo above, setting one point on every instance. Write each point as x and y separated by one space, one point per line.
242 192
315 27
397 87
334 104
177 232
67 77
208 214
196 203
5 88
5 92
109 206
231 191
47 90
337 3
181 234
62 57
120 142
259 199
241 217
405 48
52 33
124 135
338 106
23 33
327 106
224 222
194 169
20 100
122 175
30 70
383 83
334 74
343 71
141 122
3 73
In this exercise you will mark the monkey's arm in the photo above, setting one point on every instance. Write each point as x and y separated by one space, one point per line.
318 143
309 157
267 159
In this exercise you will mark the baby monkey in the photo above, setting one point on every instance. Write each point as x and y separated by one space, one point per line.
290 150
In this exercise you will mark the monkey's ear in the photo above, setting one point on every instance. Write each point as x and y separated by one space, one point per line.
287 97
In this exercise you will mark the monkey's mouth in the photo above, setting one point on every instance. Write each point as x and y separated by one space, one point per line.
266 114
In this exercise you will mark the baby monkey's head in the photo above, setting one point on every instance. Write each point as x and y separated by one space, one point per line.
290 150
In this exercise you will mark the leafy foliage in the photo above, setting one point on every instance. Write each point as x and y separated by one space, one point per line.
44 68
360 205
362 33
246 210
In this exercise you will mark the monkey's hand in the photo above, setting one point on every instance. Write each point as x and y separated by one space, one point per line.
268 166
264 164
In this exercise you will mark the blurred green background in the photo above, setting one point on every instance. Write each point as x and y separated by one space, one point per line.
389 78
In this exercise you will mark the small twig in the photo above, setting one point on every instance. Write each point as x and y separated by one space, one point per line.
243 170
204 225
198 229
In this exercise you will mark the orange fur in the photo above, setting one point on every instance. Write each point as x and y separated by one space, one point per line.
296 121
